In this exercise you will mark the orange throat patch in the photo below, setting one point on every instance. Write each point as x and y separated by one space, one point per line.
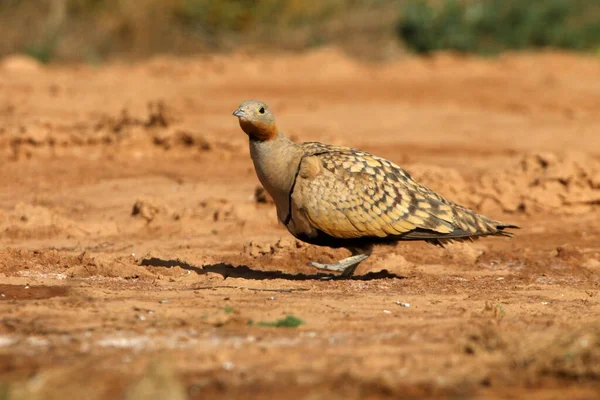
259 130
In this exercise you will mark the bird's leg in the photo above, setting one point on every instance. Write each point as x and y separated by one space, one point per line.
348 265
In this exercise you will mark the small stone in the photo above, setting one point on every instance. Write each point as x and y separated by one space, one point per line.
401 304
163 301
387 312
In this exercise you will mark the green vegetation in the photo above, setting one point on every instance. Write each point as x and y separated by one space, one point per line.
97 30
44 51
245 16
493 26
288 322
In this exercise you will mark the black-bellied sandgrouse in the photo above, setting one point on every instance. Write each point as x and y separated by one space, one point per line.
341 197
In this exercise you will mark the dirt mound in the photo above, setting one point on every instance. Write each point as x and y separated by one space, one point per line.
566 183
154 210
279 248
160 129
28 220
120 267
33 221
58 265
446 181
544 182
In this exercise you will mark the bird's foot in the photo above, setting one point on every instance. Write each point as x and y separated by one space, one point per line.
347 266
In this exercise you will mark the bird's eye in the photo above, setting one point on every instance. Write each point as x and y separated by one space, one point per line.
261 110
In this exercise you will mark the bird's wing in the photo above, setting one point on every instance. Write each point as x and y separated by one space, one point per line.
349 194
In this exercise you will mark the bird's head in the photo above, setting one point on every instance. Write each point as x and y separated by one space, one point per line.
256 120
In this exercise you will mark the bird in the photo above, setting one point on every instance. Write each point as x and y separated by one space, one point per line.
342 197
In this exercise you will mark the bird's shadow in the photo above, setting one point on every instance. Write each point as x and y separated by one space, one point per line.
245 272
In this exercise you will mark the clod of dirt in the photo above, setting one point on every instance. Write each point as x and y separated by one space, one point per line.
545 182
462 253
159 115
288 244
569 253
178 137
392 262
121 267
261 196
151 209
254 249
281 247
217 210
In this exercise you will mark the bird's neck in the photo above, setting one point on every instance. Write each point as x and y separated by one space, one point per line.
276 162
258 130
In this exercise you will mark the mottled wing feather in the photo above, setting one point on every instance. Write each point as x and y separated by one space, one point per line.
352 194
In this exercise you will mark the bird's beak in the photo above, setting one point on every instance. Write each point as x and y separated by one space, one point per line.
239 113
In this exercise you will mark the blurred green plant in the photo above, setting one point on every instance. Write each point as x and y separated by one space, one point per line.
98 30
289 321
43 51
254 16
492 26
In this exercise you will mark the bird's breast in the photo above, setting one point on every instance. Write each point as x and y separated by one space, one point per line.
276 166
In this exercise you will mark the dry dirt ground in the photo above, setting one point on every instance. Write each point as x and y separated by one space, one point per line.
137 255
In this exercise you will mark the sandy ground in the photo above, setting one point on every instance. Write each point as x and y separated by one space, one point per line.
137 255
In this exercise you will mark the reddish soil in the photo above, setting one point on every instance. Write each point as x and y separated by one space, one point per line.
137 258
